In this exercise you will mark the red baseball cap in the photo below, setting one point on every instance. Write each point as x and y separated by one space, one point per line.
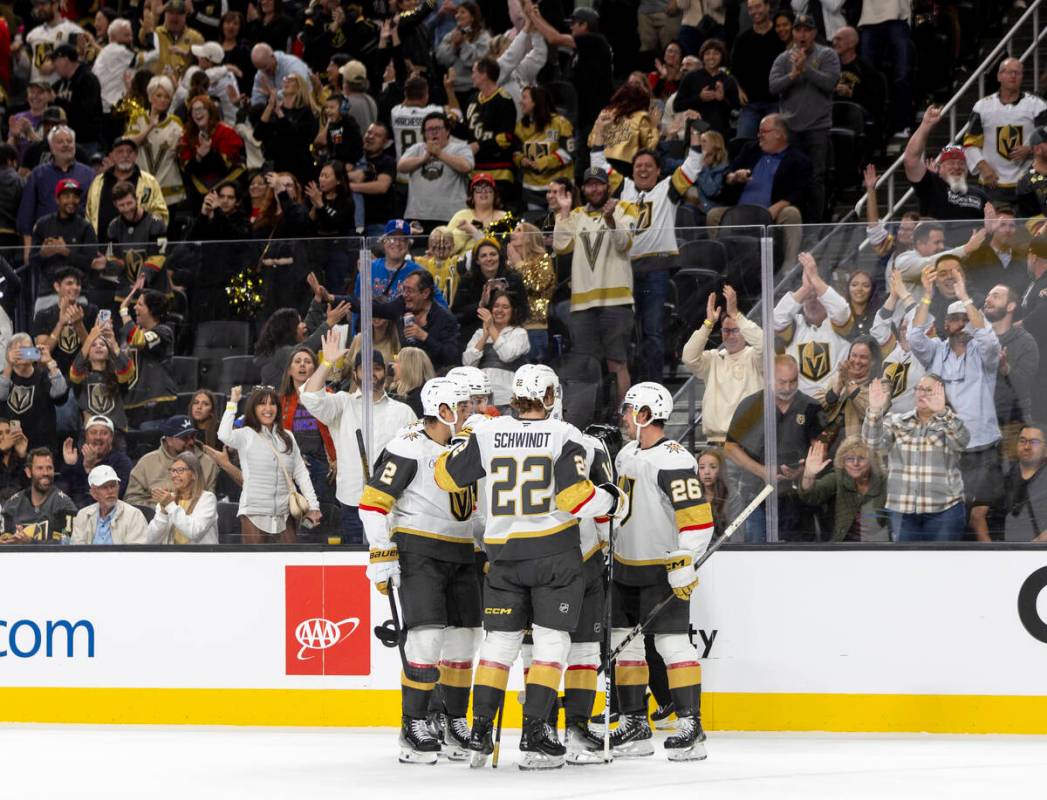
68 185
481 177
951 152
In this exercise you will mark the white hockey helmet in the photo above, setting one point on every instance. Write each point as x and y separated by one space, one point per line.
443 391
556 411
532 381
474 378
651 395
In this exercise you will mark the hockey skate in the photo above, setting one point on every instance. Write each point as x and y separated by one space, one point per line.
454 737
632 738
661 718
435 722
417 743
596 723
583 747
539 747
688 744
481 743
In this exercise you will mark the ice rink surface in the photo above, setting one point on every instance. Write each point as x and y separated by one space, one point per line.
147 763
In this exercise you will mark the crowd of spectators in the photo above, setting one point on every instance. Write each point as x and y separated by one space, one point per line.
522 170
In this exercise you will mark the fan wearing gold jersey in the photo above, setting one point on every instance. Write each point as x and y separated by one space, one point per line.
656 546
421 541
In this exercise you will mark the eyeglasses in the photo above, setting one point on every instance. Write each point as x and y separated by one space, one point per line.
263 388
1031 442
854 459
925 389
405 289
177 470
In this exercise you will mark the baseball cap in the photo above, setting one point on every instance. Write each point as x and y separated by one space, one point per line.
212 51
376 358
53 114
804 21
951 152
354 73
66 51
42 85
100 419
481 177
101 475
396 227
177 6
586 15
125 140
956 307
178 426
596 174
68 185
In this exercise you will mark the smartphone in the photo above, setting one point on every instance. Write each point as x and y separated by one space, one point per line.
29 353
500 283
105 316
14 425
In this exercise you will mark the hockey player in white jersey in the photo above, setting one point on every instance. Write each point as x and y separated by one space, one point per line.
537 486
656 546
421 541
480 393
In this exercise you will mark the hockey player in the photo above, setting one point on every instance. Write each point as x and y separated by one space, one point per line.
537 484
656 546
480 393
427 551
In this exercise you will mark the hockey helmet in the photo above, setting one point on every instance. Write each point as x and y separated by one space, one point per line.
474 378
443 391
651 395
531 382
556 411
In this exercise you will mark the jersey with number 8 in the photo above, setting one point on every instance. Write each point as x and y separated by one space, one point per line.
667 511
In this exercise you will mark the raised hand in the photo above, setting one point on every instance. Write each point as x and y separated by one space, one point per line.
335 314
928 277
817 460
931 117
730 296
235 393
936 401
331 349
69 452
712 311
894 280
869 177
877 396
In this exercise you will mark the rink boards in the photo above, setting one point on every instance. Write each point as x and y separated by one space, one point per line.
833 640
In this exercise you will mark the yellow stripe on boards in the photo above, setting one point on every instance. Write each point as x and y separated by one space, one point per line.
887 713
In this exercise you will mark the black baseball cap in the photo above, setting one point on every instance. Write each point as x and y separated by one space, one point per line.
804 21
586 15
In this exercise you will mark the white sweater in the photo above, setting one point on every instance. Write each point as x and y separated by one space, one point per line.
265 489
511 344
199 527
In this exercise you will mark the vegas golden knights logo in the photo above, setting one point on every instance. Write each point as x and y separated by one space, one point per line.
68 340
133 354
644 215
898 375
1008 137
536 150
99 399
814 360
21 398
627 485
591 243
132 264
461 504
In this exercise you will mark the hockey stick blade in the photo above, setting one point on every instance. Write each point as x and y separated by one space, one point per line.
386 634
734 526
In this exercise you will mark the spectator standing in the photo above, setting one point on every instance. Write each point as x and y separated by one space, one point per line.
626 127
268 23
62 326
658 22
923 447
282 332
40 514
408 375
158 135
273 65
1018 367
95 450
61 240
108 520
339 134
654 247
599 235
861 302
491 119
43 39
526 254
483 210
136 241
732 371
805 77
900 367
755 51
100 375
210 152
269 459
341 413
967 361
287 127
407 117
711 91
177 436
222 223
463 47
355 100
1001 257
884 26
847 392
997 144
488 272
186 513
811 322
437 171
860 82
1031 191
114 59
313 437
371 179
80 94
855 488
1026 488
152 345
798 424
545 145
26 127
700 20
173 39
32 386
1033 313
101 210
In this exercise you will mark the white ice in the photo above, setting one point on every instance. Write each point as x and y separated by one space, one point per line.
148 763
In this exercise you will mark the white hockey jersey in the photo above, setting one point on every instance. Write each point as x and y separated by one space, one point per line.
537 477
666 510
407 128
997 128
42 41
817 349
402 502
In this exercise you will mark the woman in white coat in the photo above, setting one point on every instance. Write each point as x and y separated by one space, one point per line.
186 513
269 456
501 345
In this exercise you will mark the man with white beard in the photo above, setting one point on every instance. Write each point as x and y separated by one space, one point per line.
946 194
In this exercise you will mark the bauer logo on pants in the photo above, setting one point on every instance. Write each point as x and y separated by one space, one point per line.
328 613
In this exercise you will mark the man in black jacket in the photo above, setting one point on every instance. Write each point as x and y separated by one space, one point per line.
80 94
770 174
60 240
221 224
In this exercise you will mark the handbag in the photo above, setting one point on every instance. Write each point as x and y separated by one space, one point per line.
297 505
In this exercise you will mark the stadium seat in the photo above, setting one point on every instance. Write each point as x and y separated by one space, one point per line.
141 442
751 217
215 341
186 372
238 371
580 378
228 523
147 511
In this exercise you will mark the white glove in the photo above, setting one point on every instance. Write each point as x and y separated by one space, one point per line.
620 507
682 578
384 569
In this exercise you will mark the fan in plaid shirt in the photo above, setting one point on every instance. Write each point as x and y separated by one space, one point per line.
923 446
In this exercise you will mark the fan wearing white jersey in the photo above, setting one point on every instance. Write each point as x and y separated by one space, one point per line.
421 541
53 30
406 118
538 485
656 546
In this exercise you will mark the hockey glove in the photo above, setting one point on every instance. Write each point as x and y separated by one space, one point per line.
620 507
682 577
384 569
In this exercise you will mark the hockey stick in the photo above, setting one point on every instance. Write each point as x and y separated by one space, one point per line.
384 633
638 629
607 635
